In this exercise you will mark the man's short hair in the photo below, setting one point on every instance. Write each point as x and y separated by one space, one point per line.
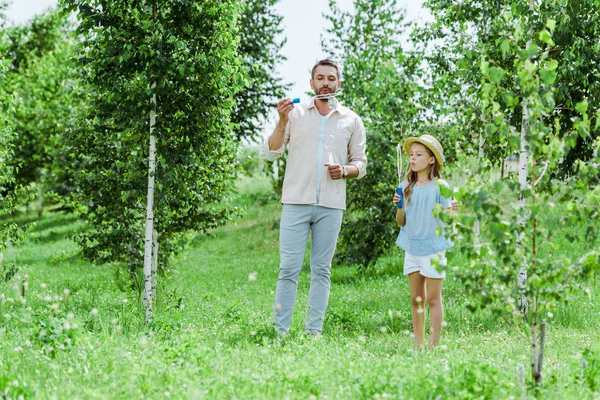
327 62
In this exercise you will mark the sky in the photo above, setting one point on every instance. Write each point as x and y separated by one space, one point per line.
303 25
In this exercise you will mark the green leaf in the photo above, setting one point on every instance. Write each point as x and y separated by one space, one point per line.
582 106
549 77
532 50
546 37
505 45
551 65
497 74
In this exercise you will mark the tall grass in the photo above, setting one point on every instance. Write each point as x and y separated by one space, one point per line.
79 332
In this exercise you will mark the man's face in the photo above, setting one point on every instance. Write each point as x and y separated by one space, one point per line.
325 80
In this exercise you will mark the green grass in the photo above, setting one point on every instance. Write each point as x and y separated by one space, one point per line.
212 335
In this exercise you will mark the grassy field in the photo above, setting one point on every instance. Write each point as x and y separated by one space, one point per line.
79 330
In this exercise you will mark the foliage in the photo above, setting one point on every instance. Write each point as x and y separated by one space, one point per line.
590 369
8 271
35 39
464 33
40 81
12 195
379 84
250 160
260 50
185 54
570 204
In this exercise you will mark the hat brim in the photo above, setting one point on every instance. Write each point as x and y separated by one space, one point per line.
439 157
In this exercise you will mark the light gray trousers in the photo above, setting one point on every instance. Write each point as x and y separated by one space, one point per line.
296 223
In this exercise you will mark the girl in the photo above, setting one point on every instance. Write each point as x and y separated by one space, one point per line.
418 234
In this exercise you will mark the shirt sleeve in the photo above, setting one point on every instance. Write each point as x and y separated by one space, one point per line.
272 155
357 148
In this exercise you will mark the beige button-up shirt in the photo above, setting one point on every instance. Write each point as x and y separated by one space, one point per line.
312 141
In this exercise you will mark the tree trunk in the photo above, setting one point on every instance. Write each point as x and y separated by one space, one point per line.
537 351
523 173
154 262
523 156
148 249
534 344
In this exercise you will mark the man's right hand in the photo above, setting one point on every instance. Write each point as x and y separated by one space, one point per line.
283 108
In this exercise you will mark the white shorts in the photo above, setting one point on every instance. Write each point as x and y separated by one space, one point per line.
424 265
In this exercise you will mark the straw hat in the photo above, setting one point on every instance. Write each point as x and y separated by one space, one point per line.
431 143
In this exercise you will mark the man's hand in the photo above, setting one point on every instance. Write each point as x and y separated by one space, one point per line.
336 171
283 108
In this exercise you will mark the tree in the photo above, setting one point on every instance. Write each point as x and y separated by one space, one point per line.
12 195
183 54
504 72
464 32
260 50
380 83
39 80
569 205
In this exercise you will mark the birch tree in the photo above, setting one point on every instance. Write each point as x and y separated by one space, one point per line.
523 174
177 60
550 207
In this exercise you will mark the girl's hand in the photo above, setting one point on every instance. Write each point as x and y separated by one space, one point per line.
454 207
396 198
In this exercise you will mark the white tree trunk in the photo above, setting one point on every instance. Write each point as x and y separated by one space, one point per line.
154 262
523 173
523 157
150 215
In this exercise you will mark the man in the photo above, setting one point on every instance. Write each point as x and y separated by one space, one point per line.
326 146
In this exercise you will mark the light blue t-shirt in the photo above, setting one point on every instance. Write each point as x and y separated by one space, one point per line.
419 235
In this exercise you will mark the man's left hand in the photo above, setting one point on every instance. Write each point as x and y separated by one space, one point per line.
336 171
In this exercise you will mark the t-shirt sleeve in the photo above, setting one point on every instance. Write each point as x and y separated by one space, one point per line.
446 202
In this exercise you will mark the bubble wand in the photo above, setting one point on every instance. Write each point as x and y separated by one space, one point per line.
399 151
329 96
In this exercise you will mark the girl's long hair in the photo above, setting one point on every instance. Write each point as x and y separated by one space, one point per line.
433 172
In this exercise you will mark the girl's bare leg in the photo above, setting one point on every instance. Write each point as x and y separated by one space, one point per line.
436 309
416 282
